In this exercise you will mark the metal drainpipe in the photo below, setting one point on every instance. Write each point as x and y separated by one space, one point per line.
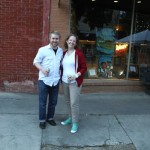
130 43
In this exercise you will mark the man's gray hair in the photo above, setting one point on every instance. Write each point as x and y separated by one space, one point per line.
54 32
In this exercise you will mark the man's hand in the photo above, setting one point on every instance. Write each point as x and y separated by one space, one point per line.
45 71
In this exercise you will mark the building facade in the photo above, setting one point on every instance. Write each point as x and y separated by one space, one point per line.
25 26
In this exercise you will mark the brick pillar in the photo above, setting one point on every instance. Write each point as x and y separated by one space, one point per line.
59 18
46 24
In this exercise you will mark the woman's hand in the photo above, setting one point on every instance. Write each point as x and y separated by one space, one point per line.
73 77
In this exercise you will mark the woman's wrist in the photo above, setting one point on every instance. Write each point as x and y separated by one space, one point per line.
79 74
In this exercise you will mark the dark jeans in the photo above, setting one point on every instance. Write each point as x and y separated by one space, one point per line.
47 105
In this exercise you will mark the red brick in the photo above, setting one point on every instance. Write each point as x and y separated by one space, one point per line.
20 37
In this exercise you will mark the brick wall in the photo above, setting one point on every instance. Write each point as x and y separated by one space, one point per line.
24 27
21 25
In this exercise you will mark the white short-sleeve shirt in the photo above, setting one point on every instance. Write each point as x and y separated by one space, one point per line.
51 61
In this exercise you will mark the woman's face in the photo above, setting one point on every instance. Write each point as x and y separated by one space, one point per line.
71 42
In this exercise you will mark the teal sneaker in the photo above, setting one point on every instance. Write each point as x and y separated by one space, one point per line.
67 121
74 128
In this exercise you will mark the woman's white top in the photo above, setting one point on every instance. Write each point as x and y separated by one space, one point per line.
68 67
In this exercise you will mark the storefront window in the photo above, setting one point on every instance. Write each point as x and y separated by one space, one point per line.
106 43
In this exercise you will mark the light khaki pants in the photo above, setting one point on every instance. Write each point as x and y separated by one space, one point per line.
71 94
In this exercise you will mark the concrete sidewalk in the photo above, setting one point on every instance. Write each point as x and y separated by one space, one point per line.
107 122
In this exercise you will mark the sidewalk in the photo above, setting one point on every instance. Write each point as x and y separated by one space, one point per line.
107 122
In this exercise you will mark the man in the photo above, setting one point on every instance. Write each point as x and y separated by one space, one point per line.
47 61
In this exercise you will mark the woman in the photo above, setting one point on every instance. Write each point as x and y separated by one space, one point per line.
73 69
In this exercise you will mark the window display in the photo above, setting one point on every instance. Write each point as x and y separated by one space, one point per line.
105 44
108 49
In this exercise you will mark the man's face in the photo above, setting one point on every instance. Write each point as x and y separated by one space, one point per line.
104 66
54 40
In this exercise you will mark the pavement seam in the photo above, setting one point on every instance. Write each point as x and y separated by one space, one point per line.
18 114
41 139
119 122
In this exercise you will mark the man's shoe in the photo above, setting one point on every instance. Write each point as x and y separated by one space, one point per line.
74 128
67 121
42 125
52 122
